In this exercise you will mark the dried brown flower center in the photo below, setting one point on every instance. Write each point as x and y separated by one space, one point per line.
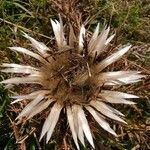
66 69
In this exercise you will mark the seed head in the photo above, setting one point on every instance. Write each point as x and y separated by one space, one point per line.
72 77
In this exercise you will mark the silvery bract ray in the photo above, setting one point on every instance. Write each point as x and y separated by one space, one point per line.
72 79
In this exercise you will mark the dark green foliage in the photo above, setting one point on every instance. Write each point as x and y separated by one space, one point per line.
6 138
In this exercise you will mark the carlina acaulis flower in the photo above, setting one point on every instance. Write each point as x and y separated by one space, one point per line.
72 79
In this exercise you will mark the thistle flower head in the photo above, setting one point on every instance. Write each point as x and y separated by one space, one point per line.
72 77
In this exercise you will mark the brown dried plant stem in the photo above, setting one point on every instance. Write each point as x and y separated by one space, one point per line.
22 145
